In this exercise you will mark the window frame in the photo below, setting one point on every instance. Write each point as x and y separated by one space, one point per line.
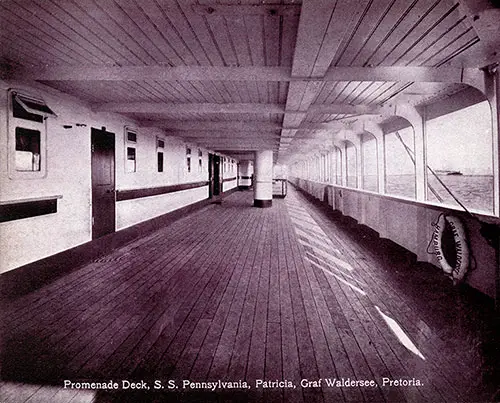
200 160
17 122
188 159
130 144
160 151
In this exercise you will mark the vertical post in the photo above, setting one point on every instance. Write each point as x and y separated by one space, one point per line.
419 160
360 166
492 87
263 186
378 133
417 121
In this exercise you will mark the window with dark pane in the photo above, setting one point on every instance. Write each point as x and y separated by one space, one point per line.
131 159
188 159
160 161
27 149
131 137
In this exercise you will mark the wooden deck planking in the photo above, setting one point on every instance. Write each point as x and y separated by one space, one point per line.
256 354
222 357
129 286
218 307
324 362
151 344
232 293
447 380
289 347
66 286
199 310
355 310
386 299
241 347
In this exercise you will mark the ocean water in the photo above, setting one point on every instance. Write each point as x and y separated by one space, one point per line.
473 191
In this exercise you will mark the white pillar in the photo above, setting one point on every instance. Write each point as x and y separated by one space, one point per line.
492 89
245 175
417 121
263 184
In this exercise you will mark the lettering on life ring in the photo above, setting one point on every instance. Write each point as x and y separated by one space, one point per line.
450 246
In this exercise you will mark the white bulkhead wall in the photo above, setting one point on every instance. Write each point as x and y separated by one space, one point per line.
130 212
68 176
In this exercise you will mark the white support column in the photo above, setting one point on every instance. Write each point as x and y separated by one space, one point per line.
359 161
418 123
263 184
353 137
492 91
492 87
378 133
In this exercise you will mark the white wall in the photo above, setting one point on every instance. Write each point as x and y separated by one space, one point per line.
69 176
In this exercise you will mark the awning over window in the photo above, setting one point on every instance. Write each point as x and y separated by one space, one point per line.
33 106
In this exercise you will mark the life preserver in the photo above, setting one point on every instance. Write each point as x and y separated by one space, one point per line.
451 225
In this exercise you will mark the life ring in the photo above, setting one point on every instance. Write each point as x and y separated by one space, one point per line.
450 246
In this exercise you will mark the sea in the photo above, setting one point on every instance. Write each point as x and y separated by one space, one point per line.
475 192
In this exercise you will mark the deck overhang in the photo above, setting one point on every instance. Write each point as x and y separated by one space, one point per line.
292 67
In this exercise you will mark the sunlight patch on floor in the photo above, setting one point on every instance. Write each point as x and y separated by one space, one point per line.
333 259
329 265
400 334
316 240
357 289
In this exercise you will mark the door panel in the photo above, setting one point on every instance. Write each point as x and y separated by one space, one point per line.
103 182
214 175
217 177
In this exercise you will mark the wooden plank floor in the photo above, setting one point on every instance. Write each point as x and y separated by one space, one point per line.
240 294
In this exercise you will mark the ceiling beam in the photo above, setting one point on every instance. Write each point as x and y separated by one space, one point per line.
224 135
321 30
221 126
217 73
243 127
156 73
161 107
469 76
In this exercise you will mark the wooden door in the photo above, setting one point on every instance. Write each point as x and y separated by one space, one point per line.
217 176
214 187
103 182
210 175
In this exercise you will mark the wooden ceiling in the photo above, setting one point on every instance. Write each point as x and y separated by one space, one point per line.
246 75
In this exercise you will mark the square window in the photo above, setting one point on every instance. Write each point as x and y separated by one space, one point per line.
160 143
131 137
27 150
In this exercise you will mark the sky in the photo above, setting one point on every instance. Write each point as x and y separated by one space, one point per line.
459 141
462 141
